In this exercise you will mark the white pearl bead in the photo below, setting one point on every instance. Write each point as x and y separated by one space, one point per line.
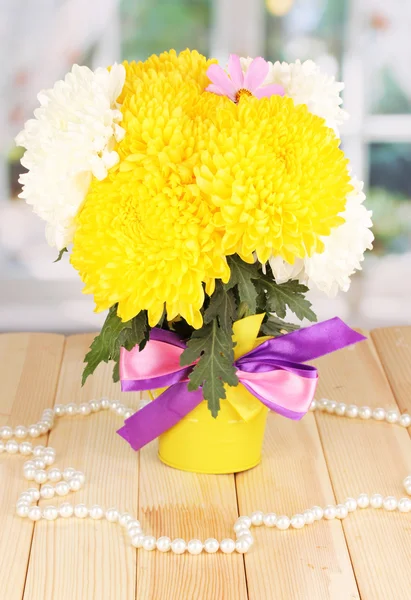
124 519
113 405
47 491
6 432
128 413
309 517
74 484
178 546
390 503
270 519
62 488
149 542
39 463
341 511
163 544
351 504
50 513
378 414
133 524
297 521
40 476
392 416
12 447
22 510
365 412
120 410
405 420
38 451
43 426
59 410
318 512
49 459
35 513
407 481
408 490
404 505
81 477
322 404
105 403
54 475
363 501
34 494
227 546
71 409
376 501
29 473
25 497
331 406
96 512
257 518
25 448
242 531
21 432
211 545
81 511
137 540
340 409
2 446
68 473
195 546
352 411
313 405
330 512
242 546
112 515
34 431
66 510
245 520
84 409
283 522
94 405
134 531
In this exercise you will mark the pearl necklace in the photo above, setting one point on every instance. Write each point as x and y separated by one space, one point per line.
56 482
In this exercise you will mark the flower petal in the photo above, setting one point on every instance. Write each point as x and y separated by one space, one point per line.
219 77
235 71
269 90
257 72
214 89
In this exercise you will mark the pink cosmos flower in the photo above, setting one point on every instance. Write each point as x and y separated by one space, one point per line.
236 84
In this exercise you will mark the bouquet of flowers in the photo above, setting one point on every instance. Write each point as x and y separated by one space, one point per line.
191 196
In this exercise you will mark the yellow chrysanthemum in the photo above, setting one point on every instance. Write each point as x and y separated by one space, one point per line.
277 176
200 178
145 235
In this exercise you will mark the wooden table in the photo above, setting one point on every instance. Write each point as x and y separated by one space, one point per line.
320 460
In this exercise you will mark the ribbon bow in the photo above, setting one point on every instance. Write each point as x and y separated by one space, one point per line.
271 369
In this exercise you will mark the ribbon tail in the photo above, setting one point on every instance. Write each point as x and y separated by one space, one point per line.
160 415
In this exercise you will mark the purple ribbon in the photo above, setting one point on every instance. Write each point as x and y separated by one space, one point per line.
274 372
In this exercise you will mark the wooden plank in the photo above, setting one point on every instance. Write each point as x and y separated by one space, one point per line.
187 505
312 563
87 559
393 345
29 369
368 456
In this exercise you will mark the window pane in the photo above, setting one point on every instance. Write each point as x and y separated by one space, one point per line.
152 26
389 196
308 30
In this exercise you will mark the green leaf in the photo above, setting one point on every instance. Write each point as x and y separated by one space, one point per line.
114 335
242 276
60 256
222 306
276 327
289 294
213 346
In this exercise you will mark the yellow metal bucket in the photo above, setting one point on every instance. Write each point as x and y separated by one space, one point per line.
233 441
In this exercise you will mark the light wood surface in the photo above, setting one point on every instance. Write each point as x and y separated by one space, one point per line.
320 460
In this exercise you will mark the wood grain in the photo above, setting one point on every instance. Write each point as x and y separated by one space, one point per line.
29 370
187 505
368 457
87 559
312 563
393 345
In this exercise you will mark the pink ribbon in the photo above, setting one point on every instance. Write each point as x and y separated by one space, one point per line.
274 372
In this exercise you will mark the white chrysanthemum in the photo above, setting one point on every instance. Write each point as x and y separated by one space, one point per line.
344 250
71 138
306 84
